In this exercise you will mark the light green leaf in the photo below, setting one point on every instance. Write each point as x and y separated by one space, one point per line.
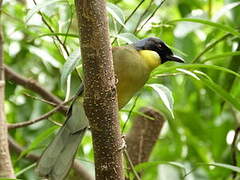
145 165
177 50
165 95
25 169
80 71
127 37
137 113
219 56
219 90
194 66
70 64
226 166
188 73
224 10
210 23
221 165
44 56
116 13
40 6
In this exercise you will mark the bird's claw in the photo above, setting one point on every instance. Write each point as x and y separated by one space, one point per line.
123 145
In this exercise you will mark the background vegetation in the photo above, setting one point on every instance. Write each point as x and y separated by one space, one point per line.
200 99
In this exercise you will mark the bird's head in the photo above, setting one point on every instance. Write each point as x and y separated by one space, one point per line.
157 45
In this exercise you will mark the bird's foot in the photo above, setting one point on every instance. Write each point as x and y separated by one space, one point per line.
123 145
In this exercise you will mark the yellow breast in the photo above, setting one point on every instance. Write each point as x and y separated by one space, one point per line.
132 69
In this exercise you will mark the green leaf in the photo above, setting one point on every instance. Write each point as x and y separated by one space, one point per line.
190 73
210 23
116 13
224 10
221 165
25 169
226 166
127 37
137 113
166 96
146 165
219 56
68 67
45 56
219 90
194 66
38 140
80 71
40 6
177 50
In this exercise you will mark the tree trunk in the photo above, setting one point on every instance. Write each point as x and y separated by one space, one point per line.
6 169
143 135
100 101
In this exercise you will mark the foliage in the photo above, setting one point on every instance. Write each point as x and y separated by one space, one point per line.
196 144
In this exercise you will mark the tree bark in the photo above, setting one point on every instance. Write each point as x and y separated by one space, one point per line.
6 169
100 100
143 135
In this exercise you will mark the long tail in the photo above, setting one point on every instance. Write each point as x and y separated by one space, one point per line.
57 159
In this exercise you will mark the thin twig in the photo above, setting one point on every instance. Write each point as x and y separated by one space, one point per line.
10 16
56 123
234 151
56 36
40 99
33 86
143 14
71 18
52 31
44 116
210 46
189 172
131 164
130 112
150 17
120 30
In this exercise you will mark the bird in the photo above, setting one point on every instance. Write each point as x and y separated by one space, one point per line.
133 64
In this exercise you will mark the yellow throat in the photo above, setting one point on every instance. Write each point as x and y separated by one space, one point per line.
151 58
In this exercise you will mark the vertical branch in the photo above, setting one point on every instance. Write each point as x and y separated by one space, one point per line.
234 151
143 135
209 9
100 100
6 169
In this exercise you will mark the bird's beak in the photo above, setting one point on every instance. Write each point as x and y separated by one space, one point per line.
174 58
